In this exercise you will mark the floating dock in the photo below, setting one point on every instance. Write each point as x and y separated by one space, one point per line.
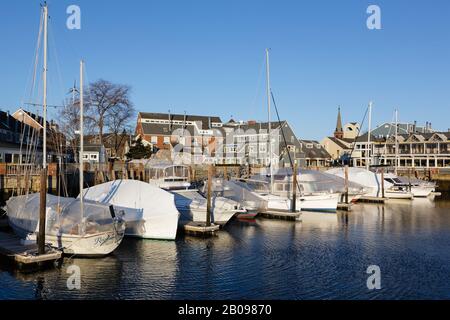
342 206
201 229
368 199
281 215
25 257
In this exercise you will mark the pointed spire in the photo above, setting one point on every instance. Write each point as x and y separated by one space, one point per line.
339 132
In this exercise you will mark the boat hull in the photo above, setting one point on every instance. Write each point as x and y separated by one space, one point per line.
95 245
319 203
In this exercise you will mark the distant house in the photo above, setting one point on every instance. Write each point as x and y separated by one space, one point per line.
248 143
315 154
116 145
188 134
21 138
94 153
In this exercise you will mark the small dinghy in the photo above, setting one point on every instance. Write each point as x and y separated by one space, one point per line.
149 211
95 230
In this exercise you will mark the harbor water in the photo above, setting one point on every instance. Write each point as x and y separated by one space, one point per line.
325 256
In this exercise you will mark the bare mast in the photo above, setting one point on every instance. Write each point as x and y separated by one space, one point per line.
44 103
368 137
269 126
81 138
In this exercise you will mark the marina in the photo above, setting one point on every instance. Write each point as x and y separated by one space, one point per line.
321 257
139 190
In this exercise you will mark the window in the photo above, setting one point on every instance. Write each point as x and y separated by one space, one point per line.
94 157
166 140
154 140
309 146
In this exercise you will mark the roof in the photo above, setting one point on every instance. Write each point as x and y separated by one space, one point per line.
161 129
181 117
316 152
258 126
342 142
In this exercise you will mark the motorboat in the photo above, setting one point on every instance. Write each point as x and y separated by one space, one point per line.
372 182
150 212
419 188
83 229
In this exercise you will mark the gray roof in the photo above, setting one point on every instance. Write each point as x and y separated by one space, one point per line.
181 117
316 152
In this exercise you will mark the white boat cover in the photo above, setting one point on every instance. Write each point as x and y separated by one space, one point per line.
313 181
141 202
239 192
63 215
361 176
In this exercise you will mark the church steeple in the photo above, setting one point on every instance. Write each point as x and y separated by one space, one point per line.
339 132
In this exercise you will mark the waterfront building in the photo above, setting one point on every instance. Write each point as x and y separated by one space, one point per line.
248 143
315 154
415 150
21 135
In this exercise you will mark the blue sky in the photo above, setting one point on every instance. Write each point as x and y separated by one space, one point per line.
206 57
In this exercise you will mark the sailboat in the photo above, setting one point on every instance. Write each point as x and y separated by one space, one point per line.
75 226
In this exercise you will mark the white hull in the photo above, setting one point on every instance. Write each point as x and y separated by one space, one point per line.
192 207
98 244
422 192
161 228
319 203
198 215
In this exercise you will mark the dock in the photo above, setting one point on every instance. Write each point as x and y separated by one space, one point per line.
201 229
368 199
281 215
342 206
25 257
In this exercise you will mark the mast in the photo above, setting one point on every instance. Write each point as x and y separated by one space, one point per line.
81 138
43 181
396 141
269 119
44 104
368 137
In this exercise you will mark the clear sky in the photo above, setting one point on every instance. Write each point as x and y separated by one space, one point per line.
206 57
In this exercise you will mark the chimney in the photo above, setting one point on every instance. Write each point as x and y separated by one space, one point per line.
430 129
415 126
209 122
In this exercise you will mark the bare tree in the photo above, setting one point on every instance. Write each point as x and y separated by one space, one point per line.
69 123
118 123
108 105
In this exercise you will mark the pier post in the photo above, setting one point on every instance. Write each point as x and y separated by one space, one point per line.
208 204
42 209
294 190
225 172
346 183
382 183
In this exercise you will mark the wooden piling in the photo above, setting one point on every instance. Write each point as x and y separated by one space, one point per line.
208 205
294 190
346 184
